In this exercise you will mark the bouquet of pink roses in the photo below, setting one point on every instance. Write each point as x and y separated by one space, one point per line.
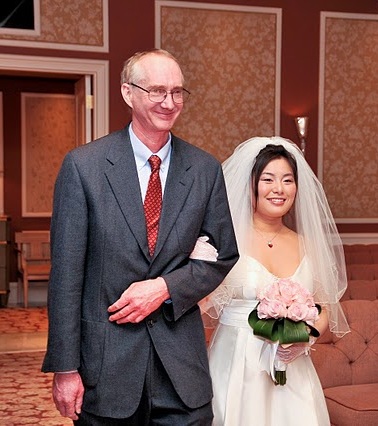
286 314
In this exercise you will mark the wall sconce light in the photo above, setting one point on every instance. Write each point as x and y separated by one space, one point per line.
302 129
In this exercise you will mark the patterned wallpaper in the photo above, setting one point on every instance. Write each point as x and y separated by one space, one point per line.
69 22
48 133
349 116
230 60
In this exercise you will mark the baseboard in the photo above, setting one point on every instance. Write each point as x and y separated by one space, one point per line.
37 294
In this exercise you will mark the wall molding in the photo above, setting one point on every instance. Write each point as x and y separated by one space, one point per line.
1 157
231 59
38 39
97 69
362 238
347 164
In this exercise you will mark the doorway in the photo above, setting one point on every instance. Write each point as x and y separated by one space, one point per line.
95 72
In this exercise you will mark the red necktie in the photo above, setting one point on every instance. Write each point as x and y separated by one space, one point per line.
152 203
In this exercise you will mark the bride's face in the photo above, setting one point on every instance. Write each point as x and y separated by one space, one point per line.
276 190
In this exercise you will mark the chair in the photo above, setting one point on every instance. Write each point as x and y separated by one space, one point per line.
33 258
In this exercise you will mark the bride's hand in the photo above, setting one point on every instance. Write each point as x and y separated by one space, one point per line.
288 353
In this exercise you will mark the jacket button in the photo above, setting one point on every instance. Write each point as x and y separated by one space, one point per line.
150 323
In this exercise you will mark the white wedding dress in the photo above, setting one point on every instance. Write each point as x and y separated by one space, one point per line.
244 393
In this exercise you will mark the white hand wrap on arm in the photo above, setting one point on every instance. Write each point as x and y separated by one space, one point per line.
204 250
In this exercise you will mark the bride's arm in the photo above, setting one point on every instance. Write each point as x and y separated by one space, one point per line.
288 353
322 323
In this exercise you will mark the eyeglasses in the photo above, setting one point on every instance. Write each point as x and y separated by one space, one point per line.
179 96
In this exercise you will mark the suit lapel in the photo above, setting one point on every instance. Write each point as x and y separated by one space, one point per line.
178 184
122 175
123 178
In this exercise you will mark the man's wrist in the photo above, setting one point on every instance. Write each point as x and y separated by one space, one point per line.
164 289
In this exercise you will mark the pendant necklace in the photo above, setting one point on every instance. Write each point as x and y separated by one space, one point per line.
270 241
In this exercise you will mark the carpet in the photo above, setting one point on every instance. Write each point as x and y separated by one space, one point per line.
25 395
23 320
25 392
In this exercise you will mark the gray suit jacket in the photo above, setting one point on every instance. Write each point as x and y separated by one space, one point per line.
99 248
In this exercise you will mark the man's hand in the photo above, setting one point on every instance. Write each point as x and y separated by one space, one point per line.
139 300
68 391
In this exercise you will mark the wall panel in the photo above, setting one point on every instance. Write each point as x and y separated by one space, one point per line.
48 133
231 58
348 112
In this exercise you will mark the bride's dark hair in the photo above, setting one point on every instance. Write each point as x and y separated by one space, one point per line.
265 156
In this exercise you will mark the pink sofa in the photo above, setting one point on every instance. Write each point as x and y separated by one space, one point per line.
348 367
361 253
361 289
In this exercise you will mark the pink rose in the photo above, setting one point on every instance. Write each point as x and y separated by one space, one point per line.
271 309
288 290
270 293
304 296
297 311
313 314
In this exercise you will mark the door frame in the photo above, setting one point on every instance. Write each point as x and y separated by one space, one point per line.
50 66
97 69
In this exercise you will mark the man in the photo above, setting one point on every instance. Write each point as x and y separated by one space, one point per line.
126 341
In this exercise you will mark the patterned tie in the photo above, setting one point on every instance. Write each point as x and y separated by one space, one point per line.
152 203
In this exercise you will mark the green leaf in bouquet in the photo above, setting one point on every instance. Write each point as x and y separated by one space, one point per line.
292 332
253 318
266 328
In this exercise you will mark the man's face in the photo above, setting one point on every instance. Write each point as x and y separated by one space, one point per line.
154 72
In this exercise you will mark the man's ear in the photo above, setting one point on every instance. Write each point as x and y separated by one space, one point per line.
126 94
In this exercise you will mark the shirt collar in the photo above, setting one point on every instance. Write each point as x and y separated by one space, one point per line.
142 153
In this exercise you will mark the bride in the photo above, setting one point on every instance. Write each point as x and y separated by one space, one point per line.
284 229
